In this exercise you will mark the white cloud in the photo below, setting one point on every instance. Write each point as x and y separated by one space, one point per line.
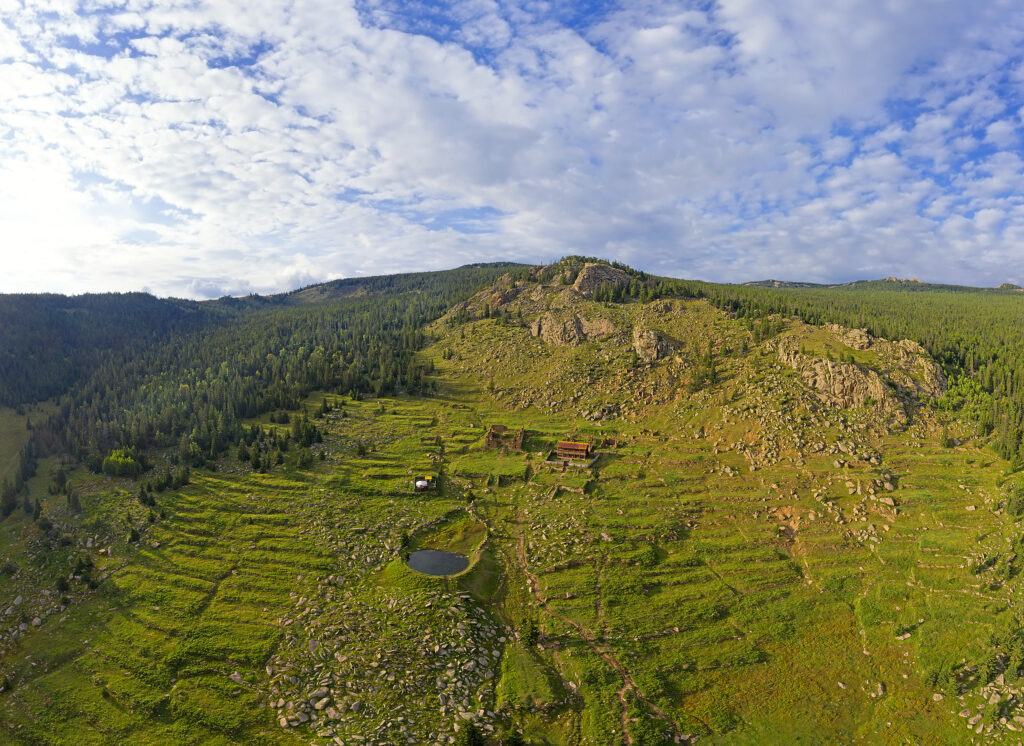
204 149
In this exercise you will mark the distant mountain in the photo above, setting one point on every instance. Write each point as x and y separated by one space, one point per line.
783 284
911 284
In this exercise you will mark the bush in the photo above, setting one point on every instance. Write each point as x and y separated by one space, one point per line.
121 463
1015 505
529 633
469 735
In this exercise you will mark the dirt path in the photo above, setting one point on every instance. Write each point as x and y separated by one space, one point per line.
609 658
624 718
602 626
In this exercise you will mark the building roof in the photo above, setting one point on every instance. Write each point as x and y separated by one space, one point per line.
572 444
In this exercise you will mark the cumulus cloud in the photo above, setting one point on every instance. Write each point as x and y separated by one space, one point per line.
203 149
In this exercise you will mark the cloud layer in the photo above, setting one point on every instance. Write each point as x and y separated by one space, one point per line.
203 149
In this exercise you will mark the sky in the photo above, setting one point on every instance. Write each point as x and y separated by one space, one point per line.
200 149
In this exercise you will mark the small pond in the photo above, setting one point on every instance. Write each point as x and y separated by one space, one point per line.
436 562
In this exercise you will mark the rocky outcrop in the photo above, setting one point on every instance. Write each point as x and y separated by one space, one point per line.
503 296
902 373
909 365
598 328
593 276
858 339
649 345
558 332
913 368
841 384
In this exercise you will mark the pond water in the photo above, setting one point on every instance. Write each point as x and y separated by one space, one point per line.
436 562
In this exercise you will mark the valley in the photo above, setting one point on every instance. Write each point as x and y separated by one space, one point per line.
785 538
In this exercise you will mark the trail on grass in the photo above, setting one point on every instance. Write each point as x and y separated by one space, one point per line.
609 658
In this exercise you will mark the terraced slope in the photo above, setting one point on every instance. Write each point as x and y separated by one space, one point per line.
753 558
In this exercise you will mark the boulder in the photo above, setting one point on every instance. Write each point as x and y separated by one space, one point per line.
593 276
649 345
858 339
597 328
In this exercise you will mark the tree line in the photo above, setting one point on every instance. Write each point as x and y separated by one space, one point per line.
188 382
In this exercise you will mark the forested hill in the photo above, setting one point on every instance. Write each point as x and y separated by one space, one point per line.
133 371
889 283
49 343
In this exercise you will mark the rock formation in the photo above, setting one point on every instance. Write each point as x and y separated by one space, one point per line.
556 331
592 276
906 372
840 384
597 328
649 345
561 330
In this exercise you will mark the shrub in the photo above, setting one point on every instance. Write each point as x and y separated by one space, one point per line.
469 735
121 463
1015 505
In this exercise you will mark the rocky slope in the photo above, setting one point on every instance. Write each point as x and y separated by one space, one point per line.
558 349
902 373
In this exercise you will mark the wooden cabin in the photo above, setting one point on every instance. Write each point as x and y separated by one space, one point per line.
572 450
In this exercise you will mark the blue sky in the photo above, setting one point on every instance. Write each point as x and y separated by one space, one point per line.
199 149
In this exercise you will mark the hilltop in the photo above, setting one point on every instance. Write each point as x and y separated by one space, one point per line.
794 527
888 283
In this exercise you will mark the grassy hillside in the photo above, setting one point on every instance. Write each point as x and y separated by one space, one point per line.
786 538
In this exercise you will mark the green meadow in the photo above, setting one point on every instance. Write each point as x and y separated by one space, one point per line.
715 576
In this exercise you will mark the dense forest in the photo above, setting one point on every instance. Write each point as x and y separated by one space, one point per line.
134 373
50 342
